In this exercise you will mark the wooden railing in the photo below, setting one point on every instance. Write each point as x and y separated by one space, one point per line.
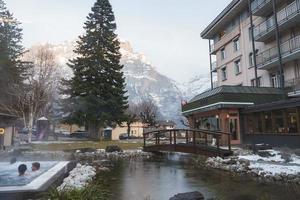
194 137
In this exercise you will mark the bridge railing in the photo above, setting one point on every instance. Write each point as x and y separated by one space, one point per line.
194 137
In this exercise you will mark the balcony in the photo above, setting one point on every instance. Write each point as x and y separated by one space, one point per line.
290 50
214 67
216 84
293 86
225 40
261 7
287 17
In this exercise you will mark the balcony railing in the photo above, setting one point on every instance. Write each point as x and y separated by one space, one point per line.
214 67
287 48
257 4
212 48
282 16
293 84
216 84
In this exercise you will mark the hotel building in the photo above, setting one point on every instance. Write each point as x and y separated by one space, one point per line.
254 50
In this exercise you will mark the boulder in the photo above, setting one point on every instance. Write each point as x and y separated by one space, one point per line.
188 196
113 148
286 157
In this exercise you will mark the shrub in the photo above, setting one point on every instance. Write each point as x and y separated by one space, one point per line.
113 148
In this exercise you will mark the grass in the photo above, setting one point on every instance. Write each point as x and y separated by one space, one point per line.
84 144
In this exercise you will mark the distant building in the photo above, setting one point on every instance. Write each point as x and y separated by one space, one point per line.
166 125
136 130
254 49
7 130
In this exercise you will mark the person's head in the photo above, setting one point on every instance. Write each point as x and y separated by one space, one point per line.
35 166
22 169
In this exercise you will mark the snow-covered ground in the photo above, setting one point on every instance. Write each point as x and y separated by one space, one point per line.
273 165
78 178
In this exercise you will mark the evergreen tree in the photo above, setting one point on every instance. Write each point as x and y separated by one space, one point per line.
97 90
10 50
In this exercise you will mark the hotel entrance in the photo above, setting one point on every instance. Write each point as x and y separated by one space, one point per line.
234 129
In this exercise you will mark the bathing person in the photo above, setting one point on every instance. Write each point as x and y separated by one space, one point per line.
35 166
22 169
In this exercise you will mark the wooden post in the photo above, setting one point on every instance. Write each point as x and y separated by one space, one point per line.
170 137
144 136
206 141
187 137
298 119
174 137
263 123
229 142
158 137
218 144
194 138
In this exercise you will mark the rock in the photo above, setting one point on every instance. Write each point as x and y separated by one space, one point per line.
113 148
265 154
286 157
188 196
104 169
277 177
230 161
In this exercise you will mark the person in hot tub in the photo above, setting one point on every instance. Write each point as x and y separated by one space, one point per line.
35 166
22 169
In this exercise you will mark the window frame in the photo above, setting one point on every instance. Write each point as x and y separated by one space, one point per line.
224 74
237 65
236 44
223 53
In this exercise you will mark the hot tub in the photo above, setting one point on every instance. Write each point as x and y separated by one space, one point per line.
11 184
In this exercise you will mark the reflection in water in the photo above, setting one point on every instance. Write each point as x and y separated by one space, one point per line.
138 180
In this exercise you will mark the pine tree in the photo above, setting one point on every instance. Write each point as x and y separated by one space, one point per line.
97 90
10 51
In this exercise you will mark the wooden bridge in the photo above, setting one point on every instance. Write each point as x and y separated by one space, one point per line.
203 142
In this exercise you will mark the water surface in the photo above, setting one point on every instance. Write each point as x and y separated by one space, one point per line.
160 180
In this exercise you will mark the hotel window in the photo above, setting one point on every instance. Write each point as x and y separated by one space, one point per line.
250 34
251 58
237 67
274 81
279 121
292 120
236 44
268 122
253 82
224 73
223 54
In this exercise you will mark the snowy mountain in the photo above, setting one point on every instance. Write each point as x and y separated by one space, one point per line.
195 86
143 80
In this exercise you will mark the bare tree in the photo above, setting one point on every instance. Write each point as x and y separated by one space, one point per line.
32 99
131 116
148 112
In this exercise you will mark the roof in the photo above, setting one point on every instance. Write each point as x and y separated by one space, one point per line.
232 97
227 13
166 123
236 90
283 104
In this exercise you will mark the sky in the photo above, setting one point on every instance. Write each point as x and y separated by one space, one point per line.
166 31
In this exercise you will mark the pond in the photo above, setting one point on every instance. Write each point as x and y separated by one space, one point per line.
162 179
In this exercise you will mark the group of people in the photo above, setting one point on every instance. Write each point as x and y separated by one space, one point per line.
23 168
